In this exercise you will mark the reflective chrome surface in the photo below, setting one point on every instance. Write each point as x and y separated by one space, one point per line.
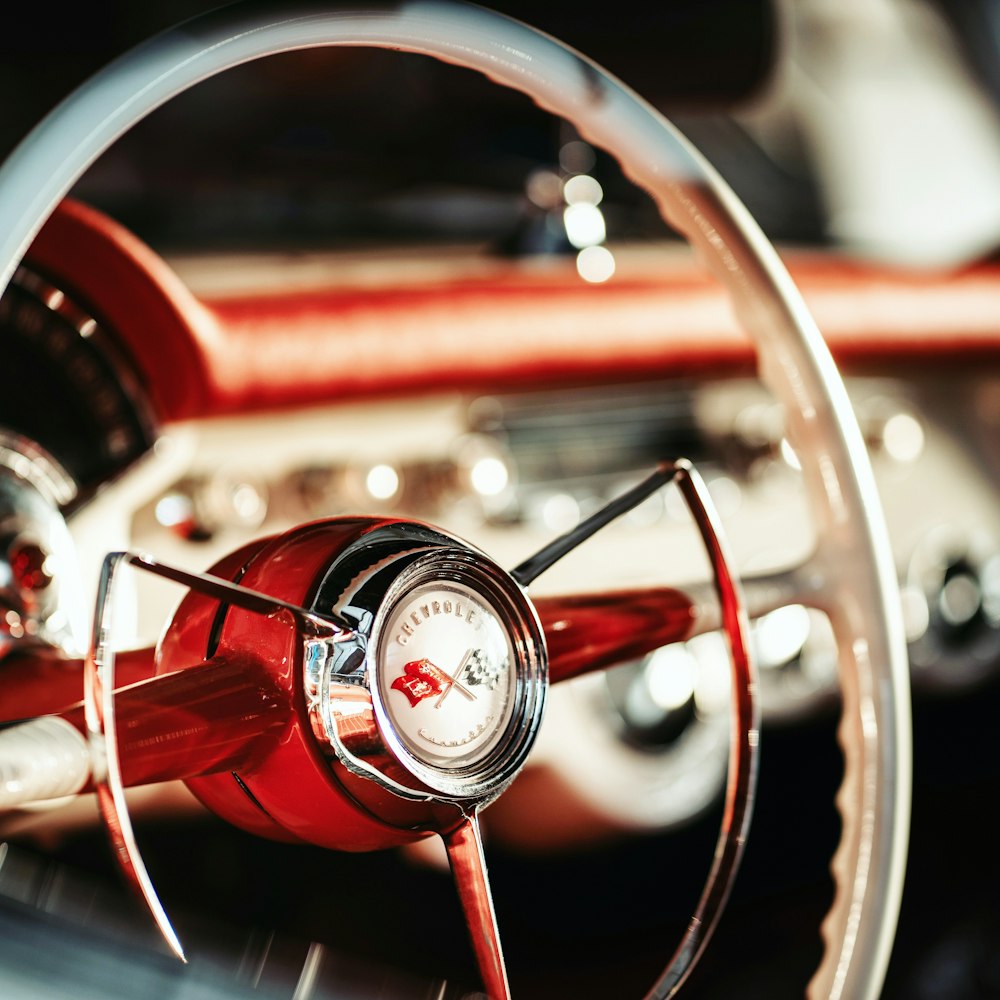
40 599
392 696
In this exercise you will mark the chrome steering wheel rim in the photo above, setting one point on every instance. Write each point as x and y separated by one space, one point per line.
859 588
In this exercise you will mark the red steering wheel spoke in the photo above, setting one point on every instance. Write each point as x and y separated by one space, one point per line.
464 845
587 632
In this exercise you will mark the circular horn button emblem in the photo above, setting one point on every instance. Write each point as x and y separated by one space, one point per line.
445 673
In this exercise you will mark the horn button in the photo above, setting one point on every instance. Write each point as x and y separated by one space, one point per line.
439 693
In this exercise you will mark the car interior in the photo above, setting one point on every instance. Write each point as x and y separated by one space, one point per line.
326 330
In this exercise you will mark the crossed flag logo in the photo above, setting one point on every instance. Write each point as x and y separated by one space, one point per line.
421 679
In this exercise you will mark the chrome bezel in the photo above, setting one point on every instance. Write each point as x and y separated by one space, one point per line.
363 585
486 777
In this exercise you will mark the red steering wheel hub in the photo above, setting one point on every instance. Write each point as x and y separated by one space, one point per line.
422 709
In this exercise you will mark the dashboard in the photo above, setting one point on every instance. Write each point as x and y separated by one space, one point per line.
190 461
189 403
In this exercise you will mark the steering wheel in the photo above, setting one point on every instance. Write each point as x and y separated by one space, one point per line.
851 575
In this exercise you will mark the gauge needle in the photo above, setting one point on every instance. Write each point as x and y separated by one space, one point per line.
454 682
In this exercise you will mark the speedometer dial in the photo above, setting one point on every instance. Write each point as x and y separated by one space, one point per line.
75 393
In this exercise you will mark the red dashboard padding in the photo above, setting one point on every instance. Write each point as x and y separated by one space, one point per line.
508 326
131 291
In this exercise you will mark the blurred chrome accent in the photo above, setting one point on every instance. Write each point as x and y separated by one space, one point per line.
952 596
40 599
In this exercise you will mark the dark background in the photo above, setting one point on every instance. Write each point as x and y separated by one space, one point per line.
341 146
